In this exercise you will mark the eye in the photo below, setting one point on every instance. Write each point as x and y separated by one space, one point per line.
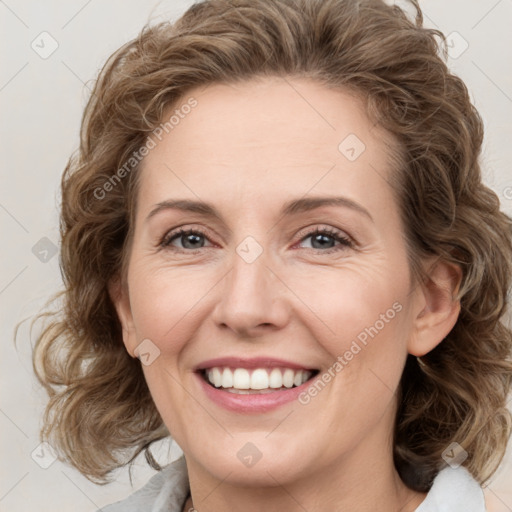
320 240
192 240
189 238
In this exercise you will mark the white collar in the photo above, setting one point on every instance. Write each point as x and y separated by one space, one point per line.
454 490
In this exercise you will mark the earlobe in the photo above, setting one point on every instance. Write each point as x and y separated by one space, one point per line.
120 298
438 310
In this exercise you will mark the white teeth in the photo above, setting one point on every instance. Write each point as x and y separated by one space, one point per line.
276 378
241 379
288 376
217 377
227 378
260 379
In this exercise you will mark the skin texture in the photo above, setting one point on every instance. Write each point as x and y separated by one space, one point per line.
248 149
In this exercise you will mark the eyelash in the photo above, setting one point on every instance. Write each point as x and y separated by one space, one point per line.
344 241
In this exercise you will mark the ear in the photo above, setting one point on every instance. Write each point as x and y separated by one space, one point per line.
120 297
436 311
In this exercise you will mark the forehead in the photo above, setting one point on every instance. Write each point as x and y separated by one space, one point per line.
265 137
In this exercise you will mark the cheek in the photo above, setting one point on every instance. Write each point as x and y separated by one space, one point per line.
167 394
362 321
164 304
356 302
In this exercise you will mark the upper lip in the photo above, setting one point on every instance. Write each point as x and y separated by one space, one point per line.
253 362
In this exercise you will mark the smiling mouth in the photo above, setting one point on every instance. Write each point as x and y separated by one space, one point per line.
244 381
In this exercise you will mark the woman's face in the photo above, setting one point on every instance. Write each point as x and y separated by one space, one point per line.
274 284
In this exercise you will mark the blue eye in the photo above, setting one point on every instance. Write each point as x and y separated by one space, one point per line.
321 236
193 239
187 237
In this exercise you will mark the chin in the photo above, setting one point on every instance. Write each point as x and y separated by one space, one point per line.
253 461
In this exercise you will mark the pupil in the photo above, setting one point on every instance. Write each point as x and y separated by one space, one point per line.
321 238
193 237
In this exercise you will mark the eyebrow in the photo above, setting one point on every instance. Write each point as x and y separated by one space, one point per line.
290 208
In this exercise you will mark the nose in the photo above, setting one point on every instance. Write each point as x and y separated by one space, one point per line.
253 299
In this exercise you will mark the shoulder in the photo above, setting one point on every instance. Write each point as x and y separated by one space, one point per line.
165 491
454 490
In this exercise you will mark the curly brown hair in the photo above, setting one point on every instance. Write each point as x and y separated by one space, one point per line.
100 414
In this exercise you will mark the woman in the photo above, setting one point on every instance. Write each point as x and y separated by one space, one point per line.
278 250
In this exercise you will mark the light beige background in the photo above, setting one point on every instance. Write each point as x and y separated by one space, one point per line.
41 101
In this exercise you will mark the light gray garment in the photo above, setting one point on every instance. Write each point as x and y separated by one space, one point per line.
453 490
166 491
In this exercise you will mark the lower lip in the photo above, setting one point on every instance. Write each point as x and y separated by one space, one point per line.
253 402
